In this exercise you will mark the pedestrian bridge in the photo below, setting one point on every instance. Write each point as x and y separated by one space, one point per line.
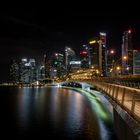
126 104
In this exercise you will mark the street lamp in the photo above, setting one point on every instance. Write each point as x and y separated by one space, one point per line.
125 57
112 51
118 70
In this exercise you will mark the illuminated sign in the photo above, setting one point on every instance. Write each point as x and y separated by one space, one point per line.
83 52
75 62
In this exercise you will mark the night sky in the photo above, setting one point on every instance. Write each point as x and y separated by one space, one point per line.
31 32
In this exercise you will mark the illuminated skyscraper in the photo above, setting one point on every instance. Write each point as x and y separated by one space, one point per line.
23 71
84 58
103 54
57 65
14 71
27 71
127 53
98 52
69 55
94 52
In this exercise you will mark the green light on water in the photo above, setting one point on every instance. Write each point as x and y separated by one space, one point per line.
96 105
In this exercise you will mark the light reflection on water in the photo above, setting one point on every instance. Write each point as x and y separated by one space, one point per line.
53 112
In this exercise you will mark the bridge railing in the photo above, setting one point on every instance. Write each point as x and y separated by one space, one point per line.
124 81
128 98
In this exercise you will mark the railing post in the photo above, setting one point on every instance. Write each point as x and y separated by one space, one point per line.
123 96
133 102
117 92
113 90
109 89
106 88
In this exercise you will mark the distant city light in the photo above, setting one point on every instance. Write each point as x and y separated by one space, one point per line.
129 31
75 62
127 68
125 57
24 60
55 70
32 60
83 52
28 64
112 51
118 68
60 54
102 34
84 45
92 42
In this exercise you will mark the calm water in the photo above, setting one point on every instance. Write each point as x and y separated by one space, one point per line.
53 113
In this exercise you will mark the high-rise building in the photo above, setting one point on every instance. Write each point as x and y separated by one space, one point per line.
75 65
23 71
84 58
41 72
27 71
89 56
136 62
94 52
127 53
69 56
14 71
103 54
98 53
58 67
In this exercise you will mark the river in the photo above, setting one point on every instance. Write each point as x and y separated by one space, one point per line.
54 113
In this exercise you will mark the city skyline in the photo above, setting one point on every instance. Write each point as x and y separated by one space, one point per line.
32 33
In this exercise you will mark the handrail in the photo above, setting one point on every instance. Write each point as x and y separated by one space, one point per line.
126 97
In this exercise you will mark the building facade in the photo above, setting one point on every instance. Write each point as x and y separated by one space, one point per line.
99 53
23 71
14 71
103 54
136 62
94 52
127 53
75 65
69 56
84 58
